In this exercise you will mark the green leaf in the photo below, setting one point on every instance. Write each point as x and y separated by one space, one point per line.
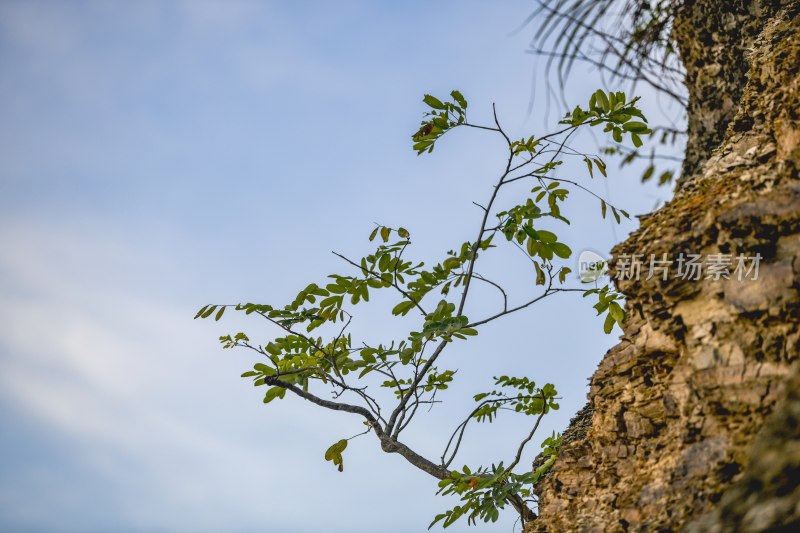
336 447
612 101
609 323
602 100
383 262
636 127
219 313
530 232
274 392
601 165
263 369
403 308
589 166
372 282
451 262
616 312
531 247
334 453
368 355
438 518
385 232
458 97
421 146
648 173
547 236
403 233
665 177
433 101
540 279
561 250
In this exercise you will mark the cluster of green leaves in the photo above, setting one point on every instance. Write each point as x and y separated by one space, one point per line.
615 112
443 324
296 359
616 212
483 493
601 166
550 448
442 117
523 145
387 266
517 224
445 275
435 381
527 399
486 491
208 310
608 302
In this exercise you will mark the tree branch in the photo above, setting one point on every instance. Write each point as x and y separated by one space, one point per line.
522 445
377 276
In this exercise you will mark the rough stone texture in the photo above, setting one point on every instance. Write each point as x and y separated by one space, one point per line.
767 495
702 364
714 37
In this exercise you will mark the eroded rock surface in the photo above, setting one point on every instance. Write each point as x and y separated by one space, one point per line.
703 363
767 496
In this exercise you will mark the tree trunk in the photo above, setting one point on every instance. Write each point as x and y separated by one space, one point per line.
676 407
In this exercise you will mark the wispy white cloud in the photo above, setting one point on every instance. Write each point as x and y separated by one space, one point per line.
150 412
103 365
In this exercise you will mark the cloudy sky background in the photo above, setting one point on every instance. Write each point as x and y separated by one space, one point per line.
158 156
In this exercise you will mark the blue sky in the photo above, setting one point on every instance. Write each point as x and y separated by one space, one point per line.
158 156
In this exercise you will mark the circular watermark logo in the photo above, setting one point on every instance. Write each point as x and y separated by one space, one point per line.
591 266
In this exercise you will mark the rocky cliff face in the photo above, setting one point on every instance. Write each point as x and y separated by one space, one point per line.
695 414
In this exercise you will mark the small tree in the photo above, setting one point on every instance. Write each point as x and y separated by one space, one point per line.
304 363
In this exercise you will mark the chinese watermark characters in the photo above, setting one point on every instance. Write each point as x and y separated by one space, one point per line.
687 266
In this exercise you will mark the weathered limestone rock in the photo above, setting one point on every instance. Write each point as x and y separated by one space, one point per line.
677 405
766 497
714 37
